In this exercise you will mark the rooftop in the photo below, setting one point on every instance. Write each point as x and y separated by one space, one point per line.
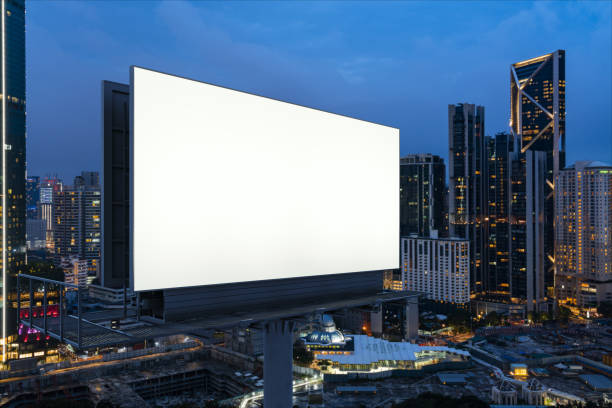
369 350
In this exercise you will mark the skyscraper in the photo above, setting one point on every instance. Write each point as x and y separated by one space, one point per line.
76 226
13 90
467 167
45 209
32 197
422 195
497 225
583 235
537 106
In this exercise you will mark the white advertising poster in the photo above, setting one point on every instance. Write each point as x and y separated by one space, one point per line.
232 187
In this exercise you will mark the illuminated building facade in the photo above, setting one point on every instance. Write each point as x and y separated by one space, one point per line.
497 277
467 167
537 105
45 208
76 223
75 271
13 91
422 195
438 267
32 197
583 235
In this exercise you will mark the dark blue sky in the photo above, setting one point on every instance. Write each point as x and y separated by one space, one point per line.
396 63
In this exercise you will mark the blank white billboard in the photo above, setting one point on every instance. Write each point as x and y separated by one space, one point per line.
232 187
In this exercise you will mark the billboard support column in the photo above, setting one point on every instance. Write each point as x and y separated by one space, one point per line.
278 363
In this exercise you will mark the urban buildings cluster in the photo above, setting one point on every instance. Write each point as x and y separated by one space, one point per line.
538 233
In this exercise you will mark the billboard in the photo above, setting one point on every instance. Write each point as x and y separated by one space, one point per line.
233 187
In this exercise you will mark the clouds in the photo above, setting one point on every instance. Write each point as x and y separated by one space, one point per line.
397 63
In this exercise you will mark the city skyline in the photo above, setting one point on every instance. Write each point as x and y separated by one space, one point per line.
376 75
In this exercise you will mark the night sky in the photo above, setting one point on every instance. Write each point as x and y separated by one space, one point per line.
396 63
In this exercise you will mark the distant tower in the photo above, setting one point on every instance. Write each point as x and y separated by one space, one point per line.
422 195
583 235
32 197
499 158
537 106
467 167
12 180
76 223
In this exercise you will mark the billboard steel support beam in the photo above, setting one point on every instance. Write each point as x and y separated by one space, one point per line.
278 363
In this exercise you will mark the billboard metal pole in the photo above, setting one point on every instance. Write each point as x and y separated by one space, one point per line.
45 306
278 363
18 300
31 301
61 312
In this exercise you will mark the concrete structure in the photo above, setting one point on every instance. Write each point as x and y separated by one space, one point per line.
110 295
13 160
467 167
76 227
583 235
504 393
438 267
597 382
36 233
422 195
75 271
534 393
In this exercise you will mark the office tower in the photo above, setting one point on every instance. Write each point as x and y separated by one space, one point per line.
35 233
537 106
88 178
45 208
583 235
13 84
76 223
422 195
497 277
438 267
467 167
32 197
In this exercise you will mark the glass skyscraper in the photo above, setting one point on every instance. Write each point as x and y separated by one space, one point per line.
537 106
13 109
422 195
467 200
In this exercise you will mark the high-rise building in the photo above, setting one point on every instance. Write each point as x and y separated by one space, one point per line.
75 271
32 197
583 235
498 276
537 107
45 208
35 234
13 126
467 166
76 223
438 267
422 195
